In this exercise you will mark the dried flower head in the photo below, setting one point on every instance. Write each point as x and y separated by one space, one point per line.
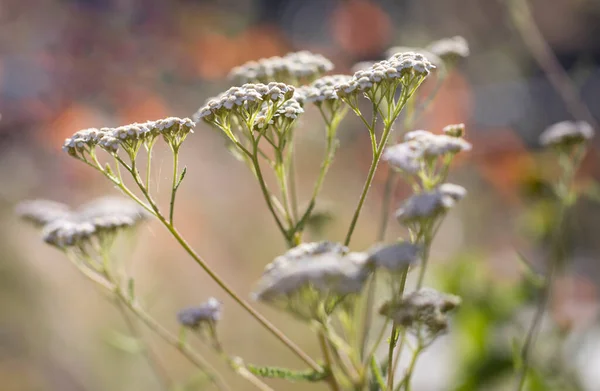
567 134
430 205
395 257
311 279
65 233
42 212
423 308
450 49
292 68
406 68
206 313
454 130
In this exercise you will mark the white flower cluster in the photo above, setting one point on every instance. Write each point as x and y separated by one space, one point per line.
426 307
64 227
395 257
435 60
407 65
42 212
208 312
248 97
567 133
322 89
421 145
312 276
110 139
429 205
450 48
302 65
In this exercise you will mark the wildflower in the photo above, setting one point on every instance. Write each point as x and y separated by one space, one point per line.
323 89
120 212
405 157
395 257
82 141
291 68
65 233
423 308
408 68
567 134
434 59
436 145
312 278
429 205
450 49
454 130
245 102
206 313
42 212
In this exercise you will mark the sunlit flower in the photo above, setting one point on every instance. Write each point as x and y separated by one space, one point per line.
567 133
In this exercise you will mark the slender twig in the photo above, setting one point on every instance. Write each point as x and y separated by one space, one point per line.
520 14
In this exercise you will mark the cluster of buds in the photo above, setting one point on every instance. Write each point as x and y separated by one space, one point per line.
407 69
310 280
293 68
100 219
423 309
129 137
322 93
567 134
423 151
429 205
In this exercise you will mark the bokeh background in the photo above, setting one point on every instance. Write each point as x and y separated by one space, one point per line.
73 64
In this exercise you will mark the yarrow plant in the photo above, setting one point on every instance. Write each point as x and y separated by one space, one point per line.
326 285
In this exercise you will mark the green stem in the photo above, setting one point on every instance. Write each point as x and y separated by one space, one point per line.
333 384
255 314
390 371
411 368
175 184
363 196
427 239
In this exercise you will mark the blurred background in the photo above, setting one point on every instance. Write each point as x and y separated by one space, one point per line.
73 64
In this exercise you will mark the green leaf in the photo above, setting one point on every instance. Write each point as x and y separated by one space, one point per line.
308 375
516 352
183 172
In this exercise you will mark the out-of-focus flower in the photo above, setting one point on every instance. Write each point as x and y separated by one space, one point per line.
322 89
429 205
450 49
206 313
311 279
454 130
434 59
567 134
395 257
292 68
423 308
42 212
99 219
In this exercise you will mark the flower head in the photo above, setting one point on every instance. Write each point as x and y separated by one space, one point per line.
291 68
430 205
42 212
425 307
311 278
395 257
206 313
567 134
454 130
408 67
450 49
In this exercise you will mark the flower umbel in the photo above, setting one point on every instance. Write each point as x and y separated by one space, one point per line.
311 279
